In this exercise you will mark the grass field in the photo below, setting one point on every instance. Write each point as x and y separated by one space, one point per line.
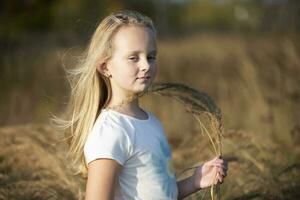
253 79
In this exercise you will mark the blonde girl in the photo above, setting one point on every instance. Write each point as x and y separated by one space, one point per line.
118 146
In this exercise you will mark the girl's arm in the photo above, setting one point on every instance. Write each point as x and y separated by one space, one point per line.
102 176
186 187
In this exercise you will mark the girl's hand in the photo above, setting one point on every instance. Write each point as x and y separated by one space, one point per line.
205 174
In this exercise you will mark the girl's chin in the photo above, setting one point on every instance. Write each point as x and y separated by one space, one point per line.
141 90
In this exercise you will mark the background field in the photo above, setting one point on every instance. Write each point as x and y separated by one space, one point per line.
248 63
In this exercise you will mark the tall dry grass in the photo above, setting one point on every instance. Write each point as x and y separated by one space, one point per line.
33 165
254 80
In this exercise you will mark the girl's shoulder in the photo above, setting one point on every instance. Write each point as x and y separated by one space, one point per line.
109 138
110 126
107 119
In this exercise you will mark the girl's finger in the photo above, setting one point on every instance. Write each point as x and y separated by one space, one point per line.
220 179
210 162
220 166
216 181
219 160
223 162
222 172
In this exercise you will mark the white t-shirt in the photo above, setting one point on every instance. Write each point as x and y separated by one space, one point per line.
141 147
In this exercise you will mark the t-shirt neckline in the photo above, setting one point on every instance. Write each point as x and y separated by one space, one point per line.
128 116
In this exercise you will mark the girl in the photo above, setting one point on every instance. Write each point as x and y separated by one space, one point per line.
120 147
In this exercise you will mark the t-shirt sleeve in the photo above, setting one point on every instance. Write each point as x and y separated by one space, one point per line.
107 141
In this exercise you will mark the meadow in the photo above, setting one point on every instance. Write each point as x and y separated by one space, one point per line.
254 79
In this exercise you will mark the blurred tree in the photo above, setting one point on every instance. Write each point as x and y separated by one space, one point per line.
18 16
80 17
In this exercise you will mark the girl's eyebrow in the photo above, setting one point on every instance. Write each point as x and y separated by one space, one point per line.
134 52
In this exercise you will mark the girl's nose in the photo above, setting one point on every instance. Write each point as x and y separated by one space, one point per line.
145 65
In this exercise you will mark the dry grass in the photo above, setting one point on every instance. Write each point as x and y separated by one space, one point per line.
266 168
253 80
33 166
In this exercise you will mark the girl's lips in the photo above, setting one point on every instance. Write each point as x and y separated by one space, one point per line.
145 77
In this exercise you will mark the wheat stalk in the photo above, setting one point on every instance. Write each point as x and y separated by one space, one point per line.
197 103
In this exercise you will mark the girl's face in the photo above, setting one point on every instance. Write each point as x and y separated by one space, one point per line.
133 63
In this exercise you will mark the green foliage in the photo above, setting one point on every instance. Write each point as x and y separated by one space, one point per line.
171 17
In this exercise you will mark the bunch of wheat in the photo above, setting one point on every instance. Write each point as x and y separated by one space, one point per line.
198 104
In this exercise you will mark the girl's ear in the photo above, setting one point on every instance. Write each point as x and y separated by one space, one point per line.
102 69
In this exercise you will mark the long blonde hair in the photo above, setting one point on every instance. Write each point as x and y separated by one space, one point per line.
91 90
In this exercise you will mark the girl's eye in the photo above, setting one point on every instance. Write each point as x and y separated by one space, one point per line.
134 58
152 57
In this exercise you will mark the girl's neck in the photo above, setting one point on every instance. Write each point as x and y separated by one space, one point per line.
131 106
